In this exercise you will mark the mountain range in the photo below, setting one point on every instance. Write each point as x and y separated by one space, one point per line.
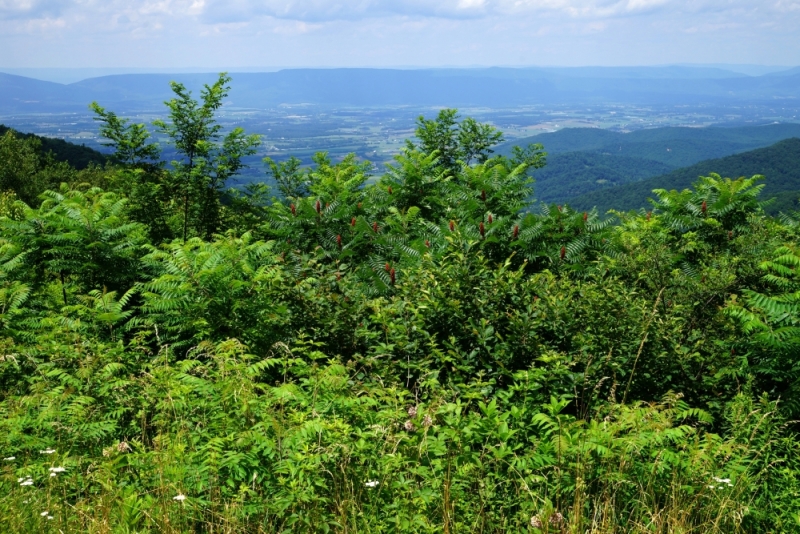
495 87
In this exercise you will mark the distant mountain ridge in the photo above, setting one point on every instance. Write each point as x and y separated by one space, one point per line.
496 87
779 163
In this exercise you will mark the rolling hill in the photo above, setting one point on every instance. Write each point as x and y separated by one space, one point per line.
582 160
779 163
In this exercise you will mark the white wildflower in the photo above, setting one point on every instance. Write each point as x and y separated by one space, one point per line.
371 483
57 469
49 517
179 497
722 480
47 451
52 475
712 487
25 482
10 458
44 513
536 522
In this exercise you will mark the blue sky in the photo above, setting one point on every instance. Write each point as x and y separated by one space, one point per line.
282 33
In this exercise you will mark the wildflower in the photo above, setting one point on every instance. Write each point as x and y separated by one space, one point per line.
47 451
52 475
556 519
412 412
25 482
339 241
353 222
409 426
427 421
722 480
179 497
490 219
585 216
57 469
563 252
49 517
318 207
44 513
712 487
536 522
375 227
294 209
452 226
10 458
481 229
123 447
427 243
371 483
703 207
516 231
392 276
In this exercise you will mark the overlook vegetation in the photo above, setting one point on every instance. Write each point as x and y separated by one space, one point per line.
421 351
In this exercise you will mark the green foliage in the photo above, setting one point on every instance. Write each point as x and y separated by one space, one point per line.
456 142
129 141
421 351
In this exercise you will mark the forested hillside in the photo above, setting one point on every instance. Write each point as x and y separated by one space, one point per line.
779 163
77 156
583 160
420 351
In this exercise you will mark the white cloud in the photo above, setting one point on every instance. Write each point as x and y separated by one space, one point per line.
31 9
222 11
399 32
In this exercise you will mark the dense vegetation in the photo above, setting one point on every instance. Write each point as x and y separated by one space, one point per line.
421 351
779 163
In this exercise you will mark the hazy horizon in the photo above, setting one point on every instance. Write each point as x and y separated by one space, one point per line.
67 75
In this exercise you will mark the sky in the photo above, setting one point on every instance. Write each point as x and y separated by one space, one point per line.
230 34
